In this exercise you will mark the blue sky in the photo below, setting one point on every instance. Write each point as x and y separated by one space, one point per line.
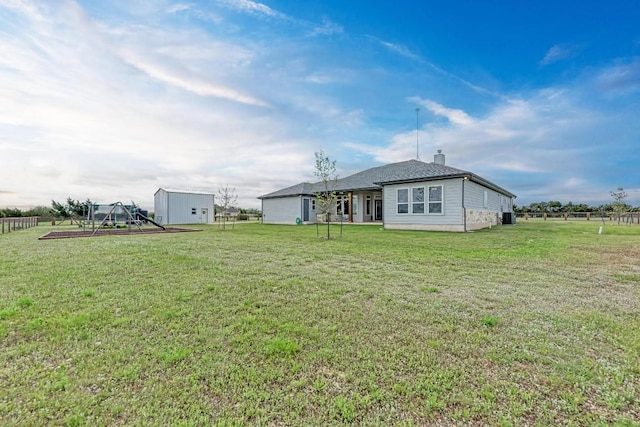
112 100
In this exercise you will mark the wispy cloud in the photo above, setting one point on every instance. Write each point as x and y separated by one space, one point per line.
195 85
397 48
326 28
620 77
191 9
455 116
560 52
254 8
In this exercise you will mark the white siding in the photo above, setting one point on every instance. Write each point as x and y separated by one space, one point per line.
282 210
178 207
451 219
479 216
160 204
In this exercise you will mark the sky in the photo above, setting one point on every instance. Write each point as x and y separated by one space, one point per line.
110 101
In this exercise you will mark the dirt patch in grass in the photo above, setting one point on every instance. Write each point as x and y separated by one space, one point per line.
111 232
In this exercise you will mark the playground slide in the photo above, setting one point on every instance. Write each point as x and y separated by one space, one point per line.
151 221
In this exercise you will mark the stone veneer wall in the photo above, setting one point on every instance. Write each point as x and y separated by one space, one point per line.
481 218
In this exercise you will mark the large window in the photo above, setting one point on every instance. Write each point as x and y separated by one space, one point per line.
435 199
485 200
403 201
342 205
417 200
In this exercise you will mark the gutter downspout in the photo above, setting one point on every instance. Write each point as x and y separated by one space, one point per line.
464 208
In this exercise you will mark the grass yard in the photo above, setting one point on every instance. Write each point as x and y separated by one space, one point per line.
532 324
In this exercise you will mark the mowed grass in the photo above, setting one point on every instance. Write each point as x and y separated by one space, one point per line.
532 324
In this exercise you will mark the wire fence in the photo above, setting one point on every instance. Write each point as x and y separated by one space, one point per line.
622 218
8 225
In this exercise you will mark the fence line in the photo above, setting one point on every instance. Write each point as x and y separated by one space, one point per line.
7 225
626 217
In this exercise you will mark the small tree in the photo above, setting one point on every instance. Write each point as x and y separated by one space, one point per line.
227 199
72 210
618 205
326 195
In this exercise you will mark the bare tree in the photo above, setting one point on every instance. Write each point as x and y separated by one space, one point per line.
618 205
227 199
326 195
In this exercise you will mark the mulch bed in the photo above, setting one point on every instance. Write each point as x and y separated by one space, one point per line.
111 232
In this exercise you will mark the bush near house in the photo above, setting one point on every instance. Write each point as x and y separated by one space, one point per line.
532 324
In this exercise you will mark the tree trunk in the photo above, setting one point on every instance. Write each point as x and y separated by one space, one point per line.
328 223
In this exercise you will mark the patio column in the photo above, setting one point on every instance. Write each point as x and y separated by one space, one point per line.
350 206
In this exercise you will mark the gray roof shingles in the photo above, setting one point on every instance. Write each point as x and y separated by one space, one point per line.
374 178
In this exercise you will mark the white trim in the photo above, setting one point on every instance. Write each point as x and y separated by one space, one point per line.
441 201
403 203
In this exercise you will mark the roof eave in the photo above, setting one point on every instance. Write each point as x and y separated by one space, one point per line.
471 176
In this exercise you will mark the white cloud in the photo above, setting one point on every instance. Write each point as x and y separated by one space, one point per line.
327 28
560 52
454 116
545 135
620 77
397 49
195 85
254 8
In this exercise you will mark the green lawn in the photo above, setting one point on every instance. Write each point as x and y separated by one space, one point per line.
532 324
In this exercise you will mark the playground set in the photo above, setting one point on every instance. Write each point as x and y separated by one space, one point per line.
113 219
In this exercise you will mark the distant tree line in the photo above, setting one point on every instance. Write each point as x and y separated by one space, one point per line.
555 206
617 206
73 208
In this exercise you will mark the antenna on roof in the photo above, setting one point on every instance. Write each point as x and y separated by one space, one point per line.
417 135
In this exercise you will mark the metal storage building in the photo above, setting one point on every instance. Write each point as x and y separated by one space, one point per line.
183 207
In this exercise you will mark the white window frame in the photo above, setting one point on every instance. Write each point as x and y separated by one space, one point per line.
485 200
398 190
354 204
435 202
427 203
414 203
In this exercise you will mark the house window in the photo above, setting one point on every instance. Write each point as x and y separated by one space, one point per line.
342 205
417 200
193 211
402 200
367 206
435 199
485 201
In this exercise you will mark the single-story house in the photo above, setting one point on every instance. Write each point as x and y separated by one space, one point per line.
411 195
183 207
